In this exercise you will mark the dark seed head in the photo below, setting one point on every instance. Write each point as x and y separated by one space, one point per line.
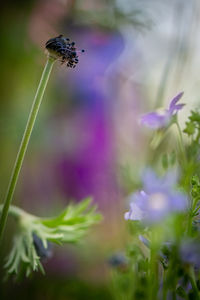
60 48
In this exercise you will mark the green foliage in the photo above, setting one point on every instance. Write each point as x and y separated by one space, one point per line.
68 227
73 222
165 161
112 15
192 149
23 255
168 160
195 193
193 125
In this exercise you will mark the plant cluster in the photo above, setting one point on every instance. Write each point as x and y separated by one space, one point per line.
162 261
34 235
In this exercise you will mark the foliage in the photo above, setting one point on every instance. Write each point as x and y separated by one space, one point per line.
163 249
192 128
31 243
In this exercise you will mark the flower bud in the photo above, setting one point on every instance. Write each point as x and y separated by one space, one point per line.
42 252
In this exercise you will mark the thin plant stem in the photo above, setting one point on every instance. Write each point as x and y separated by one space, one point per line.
164 284
193 283
181 143
15 211
24 143
153 275
153 267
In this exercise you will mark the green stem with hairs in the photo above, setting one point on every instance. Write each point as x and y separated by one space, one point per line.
24 143
15 211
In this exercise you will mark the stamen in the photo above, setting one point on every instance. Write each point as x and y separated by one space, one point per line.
60 48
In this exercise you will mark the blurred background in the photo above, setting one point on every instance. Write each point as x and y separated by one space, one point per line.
87 140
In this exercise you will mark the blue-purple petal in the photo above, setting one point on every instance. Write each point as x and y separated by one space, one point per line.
158 199
152 183
173 107
154 120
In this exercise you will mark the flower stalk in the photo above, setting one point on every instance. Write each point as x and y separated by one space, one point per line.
181 143
14 211
25 140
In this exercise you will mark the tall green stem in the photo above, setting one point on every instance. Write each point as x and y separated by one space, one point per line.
25 140
15 211
181 143
193 283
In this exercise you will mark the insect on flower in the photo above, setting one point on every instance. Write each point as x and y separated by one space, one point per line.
61 48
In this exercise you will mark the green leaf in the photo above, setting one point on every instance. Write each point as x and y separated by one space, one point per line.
68 227
22 253
165 161
190 128
172 158
193 124
195 116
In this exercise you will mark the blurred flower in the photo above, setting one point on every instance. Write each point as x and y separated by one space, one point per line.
184 289
158 199
119 261
144 241
190 252
86 122
155 120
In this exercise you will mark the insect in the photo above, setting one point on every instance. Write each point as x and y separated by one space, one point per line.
61 48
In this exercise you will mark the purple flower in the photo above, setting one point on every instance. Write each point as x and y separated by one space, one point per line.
118 260
158 199
155 120
144 241
190 252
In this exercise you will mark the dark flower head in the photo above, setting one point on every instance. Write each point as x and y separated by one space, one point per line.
61 48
